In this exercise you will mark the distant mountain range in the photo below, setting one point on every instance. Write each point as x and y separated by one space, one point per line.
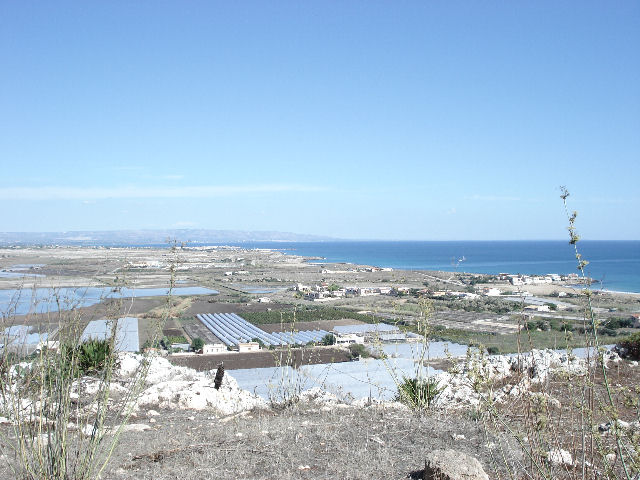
151 237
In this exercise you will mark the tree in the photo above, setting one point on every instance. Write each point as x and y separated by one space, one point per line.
197 344
328 339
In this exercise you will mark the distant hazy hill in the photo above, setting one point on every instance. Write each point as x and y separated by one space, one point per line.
151 237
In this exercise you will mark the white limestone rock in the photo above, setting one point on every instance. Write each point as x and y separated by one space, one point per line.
559 457
318 395
452 465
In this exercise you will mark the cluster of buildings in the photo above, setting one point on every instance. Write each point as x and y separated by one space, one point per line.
230 273
147 264
325 291
371 333
485 292
358 269
453 293
518 279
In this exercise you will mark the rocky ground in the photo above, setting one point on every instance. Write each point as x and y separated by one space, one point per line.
185 428
306 441
182 427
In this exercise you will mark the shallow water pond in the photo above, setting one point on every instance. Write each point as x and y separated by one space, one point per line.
40 300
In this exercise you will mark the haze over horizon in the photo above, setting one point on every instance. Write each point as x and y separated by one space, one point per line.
213 237
359 120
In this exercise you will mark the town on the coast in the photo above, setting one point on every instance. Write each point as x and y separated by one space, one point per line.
224 340
259 299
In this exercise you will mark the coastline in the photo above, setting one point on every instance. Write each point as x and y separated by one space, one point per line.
318 260
612 263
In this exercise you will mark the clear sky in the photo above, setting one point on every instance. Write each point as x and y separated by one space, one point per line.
428 120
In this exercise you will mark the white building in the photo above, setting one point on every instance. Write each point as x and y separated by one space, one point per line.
248 347
538 308
213 348
363 332
302 288
492 292
349 338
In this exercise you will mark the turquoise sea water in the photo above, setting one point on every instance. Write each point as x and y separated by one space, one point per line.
614 264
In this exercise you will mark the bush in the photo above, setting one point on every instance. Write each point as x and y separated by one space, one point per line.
176 339
92 356
417 393
358 350
538 325
607 331
328 339
632 345
618 322
493 350
197 344
567 327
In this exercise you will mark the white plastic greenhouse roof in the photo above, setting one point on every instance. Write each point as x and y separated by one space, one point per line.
365 328
127 338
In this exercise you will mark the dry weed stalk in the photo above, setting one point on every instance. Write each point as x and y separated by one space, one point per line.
548 428
64 424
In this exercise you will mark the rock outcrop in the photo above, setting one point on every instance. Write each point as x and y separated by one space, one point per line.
452 465
459 390
174 387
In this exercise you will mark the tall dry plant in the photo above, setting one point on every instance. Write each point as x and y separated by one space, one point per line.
66 419
580 437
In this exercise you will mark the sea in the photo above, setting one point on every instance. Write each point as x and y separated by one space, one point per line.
614 265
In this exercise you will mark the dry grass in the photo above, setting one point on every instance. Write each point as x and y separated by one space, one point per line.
302 442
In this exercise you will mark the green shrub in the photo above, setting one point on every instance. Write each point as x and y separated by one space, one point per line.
88 358
538 325
197 344
618 322
417 393
632 345
607 331
359 350
176 339
328 339
493 350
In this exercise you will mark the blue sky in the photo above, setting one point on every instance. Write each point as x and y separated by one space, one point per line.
380 120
